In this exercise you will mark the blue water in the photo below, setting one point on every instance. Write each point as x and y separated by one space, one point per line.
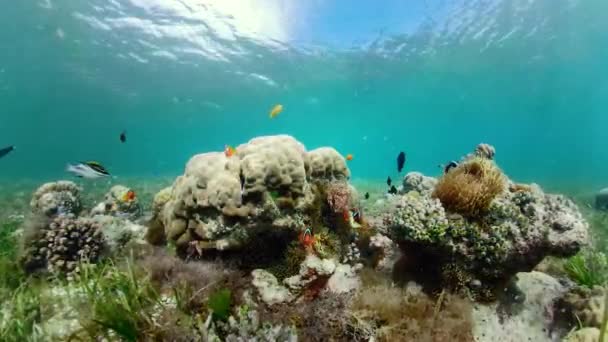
184 77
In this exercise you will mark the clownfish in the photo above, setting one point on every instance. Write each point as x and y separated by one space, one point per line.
229 151
306 238
129 196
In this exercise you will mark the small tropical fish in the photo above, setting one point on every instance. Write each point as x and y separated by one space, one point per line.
393 190
452 164
307 239
400 161
367 195
356 215
349 157
275 111
90 170
6 150
389 181
229 151
123 137
129 196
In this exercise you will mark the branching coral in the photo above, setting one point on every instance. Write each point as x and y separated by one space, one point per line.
63 243
470 188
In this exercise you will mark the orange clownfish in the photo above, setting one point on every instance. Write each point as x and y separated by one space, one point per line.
306 238
229 151
275 111
129 196
349 157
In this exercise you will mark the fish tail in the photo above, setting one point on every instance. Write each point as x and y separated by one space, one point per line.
69 167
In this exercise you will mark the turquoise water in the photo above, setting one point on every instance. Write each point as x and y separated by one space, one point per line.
184 77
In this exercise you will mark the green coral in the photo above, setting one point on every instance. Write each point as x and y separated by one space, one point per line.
419 219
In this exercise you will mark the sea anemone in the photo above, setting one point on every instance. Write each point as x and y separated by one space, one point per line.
470 188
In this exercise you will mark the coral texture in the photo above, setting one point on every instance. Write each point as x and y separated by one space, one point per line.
269 183
56 198
64 243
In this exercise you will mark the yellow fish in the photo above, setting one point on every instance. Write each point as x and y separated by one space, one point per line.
275 111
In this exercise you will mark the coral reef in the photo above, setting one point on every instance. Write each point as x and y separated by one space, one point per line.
503 233
56 198
119 201
63 243
270 183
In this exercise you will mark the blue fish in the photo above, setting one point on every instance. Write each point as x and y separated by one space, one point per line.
6 150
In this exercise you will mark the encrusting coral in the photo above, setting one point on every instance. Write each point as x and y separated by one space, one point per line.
462 238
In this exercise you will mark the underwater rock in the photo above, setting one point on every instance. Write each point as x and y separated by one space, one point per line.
384 253
64 321
585 335
520 227
526 317
416 181
119 232
583 306
120 201
269 289
56 198
312 269
343 280
270 183
601 199
62 244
